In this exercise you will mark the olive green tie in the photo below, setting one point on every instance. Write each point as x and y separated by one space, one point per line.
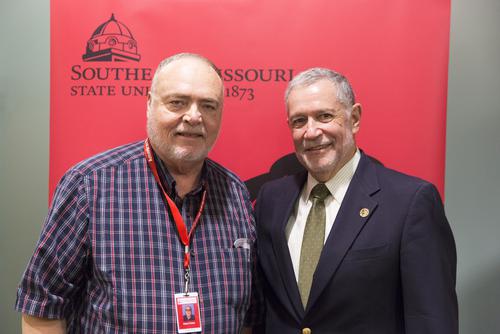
312 242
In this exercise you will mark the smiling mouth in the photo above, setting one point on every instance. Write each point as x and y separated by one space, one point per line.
189 135
317 148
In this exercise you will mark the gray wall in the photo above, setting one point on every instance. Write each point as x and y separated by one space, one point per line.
473 152
473 160
24 140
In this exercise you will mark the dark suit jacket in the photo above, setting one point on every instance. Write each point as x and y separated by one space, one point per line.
390 272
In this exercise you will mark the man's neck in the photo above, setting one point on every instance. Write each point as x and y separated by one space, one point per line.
328 175
186 176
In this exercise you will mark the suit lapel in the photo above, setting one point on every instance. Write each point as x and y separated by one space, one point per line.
347 226
285 205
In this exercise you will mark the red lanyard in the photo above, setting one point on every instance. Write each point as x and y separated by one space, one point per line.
179 222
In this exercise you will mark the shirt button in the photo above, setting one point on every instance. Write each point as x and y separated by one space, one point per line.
306 331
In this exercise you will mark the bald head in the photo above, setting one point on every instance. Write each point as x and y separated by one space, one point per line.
185 55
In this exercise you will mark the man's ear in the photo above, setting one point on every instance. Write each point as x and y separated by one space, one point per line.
355 117
150 100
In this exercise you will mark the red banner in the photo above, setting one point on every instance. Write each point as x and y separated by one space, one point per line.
395 53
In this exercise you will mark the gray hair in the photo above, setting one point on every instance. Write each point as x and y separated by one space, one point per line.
345 94
178 56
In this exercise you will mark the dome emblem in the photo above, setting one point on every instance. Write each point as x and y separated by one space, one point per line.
112 41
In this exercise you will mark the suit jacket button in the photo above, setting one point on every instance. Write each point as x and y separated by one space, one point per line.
306 331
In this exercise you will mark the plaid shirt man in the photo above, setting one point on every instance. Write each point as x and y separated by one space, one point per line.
109 258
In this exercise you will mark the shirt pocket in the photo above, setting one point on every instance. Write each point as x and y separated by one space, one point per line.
367 254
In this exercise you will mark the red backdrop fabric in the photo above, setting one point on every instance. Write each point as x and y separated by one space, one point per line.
394 52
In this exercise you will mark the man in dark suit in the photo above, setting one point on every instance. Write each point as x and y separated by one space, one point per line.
350 246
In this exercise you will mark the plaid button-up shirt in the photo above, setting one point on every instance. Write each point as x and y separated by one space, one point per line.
109 258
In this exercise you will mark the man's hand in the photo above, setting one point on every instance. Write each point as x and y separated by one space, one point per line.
35 325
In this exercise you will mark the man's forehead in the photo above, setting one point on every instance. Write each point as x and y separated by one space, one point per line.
187 64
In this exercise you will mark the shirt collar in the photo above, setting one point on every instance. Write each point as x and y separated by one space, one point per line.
339 183
169 182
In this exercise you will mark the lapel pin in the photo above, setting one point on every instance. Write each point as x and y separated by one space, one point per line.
364 212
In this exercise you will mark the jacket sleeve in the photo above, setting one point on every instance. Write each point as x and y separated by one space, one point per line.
256 312
428 267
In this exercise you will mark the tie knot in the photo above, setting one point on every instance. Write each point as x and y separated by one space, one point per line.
320 192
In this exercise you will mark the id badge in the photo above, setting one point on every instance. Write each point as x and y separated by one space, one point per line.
187 308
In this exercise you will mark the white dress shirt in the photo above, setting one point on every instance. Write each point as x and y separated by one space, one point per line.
337 185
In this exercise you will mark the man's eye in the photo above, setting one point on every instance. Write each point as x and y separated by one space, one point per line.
326 117
176 104
209 106
298 122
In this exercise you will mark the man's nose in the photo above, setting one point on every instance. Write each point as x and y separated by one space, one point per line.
193 115
312 130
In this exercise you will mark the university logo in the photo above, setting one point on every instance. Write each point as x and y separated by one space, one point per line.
112 41
106 72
